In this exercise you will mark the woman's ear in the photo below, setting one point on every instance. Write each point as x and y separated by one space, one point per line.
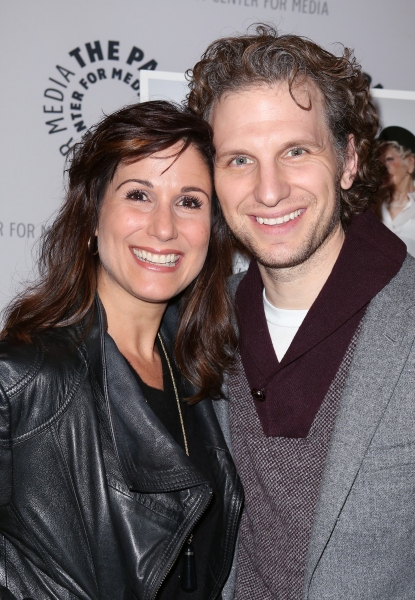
411 163
350 165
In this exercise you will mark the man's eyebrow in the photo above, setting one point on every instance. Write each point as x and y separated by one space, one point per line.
140 181
294 143
303 142
232 153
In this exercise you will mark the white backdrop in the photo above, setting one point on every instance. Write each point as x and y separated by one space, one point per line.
65 63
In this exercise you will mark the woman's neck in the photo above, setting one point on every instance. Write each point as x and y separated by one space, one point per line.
133 324
401 191
400 198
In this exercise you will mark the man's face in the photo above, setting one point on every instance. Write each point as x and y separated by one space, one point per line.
277 172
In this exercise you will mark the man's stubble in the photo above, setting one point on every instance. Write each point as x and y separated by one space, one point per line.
307 250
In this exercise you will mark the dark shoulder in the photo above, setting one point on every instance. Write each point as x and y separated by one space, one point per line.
36 378
54 352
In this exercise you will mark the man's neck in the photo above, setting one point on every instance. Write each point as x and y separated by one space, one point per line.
296 288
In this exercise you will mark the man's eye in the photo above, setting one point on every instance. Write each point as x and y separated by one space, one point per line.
138 195
296 152
242 160
190 202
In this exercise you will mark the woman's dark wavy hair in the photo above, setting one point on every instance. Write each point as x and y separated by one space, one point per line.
243 61
64 292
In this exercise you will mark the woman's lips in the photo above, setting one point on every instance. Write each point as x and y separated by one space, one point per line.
167 259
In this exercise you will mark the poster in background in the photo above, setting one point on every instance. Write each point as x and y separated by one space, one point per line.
65 64
395 107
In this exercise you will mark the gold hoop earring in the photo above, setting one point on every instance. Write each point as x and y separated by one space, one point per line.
96 243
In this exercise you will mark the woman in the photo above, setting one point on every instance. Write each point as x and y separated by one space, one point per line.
398 208
112 486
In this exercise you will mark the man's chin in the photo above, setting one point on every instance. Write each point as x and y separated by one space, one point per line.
279 260
282 263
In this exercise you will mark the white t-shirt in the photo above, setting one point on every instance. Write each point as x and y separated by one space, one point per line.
283 325
403 224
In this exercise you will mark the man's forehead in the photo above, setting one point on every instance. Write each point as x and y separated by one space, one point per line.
271 105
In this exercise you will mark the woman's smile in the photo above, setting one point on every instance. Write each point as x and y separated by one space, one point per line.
167 258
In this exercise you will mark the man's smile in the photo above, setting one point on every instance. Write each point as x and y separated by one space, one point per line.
280 220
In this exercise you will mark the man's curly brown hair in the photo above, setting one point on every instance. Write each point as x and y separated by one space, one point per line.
266 57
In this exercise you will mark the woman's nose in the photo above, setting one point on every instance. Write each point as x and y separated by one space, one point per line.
163 223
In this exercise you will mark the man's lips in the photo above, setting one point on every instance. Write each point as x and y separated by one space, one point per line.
280 220
165 259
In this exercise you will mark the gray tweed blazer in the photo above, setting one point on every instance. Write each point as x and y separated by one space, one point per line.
363 540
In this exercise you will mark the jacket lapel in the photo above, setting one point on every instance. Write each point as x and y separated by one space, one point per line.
382 350
149 458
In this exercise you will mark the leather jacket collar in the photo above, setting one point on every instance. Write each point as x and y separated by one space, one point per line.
150 459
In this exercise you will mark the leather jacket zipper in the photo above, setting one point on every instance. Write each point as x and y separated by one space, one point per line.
180 548
234 524
235 517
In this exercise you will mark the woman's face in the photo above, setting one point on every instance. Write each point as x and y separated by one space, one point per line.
154 226
399 169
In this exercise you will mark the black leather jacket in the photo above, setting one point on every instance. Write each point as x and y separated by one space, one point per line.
95 501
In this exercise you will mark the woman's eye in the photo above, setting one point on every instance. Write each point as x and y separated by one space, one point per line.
296 152
138 195
190 202
242 160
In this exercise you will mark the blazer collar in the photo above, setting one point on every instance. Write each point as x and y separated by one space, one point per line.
149 458
384 344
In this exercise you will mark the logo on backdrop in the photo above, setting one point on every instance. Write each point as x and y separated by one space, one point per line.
98 78
306 7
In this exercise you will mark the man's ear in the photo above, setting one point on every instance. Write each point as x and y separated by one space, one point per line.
350 165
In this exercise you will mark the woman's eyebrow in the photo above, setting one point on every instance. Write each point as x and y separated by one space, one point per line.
140 181
191 188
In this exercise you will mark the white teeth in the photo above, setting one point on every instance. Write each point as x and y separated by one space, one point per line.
168 260
279 220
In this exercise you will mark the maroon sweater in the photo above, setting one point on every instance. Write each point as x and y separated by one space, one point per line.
281 479
293 390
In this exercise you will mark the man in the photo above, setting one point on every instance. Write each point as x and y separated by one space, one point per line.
321 407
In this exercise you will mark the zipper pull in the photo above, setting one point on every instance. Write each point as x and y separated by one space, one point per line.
188 578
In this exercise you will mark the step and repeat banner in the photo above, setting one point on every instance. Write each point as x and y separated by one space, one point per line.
64 64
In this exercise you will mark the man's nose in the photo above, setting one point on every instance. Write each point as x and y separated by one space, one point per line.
163 222
271 184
